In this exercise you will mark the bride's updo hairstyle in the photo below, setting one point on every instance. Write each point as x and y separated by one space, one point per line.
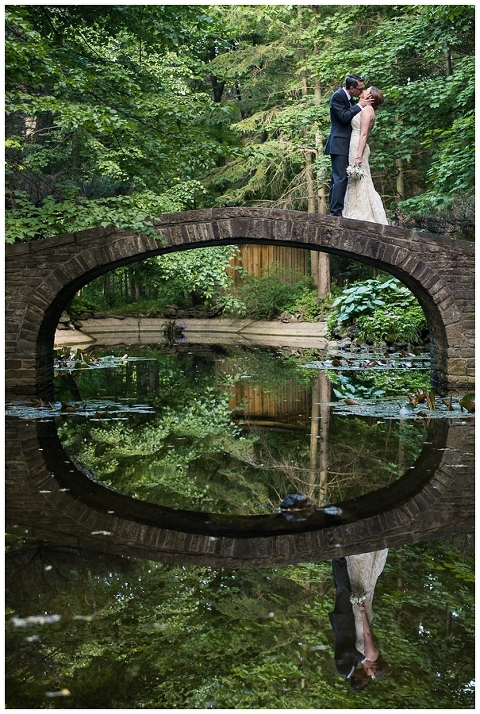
378 97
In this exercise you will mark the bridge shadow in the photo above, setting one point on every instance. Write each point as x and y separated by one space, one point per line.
49 497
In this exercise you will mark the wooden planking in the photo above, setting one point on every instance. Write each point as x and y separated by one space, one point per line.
287 400
257 258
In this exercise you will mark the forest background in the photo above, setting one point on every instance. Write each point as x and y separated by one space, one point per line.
117 113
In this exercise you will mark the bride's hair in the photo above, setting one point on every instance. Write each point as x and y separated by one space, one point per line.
378 97
382 668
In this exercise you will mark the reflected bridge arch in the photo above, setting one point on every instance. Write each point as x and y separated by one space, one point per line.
49 498
43 276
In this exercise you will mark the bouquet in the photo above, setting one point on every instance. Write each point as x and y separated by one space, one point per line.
357 598
355 173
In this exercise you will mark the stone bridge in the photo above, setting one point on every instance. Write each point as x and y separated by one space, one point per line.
43 276
48 498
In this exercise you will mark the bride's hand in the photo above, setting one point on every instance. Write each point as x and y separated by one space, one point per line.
358 161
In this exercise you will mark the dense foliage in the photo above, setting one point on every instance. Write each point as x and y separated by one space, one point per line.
145 635
116 113
203 276
103 126
380 309
281 75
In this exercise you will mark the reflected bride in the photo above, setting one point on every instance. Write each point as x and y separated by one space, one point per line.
364 570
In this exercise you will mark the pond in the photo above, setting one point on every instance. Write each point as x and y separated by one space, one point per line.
233 430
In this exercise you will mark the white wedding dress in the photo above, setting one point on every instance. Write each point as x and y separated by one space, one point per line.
363 571
362 202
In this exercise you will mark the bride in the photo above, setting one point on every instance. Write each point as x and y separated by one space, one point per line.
362 202
363 572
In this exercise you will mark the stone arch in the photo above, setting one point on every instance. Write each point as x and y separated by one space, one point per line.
48 498
42 277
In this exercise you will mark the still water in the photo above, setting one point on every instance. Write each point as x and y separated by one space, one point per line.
233 430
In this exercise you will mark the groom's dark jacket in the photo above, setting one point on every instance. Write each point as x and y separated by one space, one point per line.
342 112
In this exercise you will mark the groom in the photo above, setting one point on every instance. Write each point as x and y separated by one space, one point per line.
343 624
342 111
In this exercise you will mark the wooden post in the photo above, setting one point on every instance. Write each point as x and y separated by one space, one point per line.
323 266
319 432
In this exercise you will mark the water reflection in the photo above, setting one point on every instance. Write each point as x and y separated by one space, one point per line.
117 599
141 634
355 578
231 432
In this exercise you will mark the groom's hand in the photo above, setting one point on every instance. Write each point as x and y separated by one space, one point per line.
366 102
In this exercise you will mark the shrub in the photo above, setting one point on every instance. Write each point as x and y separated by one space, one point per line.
381 310
268 295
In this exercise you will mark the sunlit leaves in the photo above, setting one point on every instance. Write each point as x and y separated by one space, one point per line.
104 110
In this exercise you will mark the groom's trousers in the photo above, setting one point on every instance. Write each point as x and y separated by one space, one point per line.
338 186
343 588
343 621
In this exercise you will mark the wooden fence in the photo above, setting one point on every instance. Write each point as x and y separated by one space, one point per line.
256 258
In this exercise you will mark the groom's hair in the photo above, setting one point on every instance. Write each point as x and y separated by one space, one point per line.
359 680
353 80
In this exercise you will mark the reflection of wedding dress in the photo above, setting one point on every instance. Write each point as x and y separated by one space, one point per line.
363 571
361 200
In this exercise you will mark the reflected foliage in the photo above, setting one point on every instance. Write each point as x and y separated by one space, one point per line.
184 637
229 434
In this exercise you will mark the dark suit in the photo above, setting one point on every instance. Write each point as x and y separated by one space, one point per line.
342 620
342 112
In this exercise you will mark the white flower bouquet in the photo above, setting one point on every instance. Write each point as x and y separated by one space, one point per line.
355 173
357 599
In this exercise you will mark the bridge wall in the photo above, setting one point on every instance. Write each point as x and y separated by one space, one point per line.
43 276
49 499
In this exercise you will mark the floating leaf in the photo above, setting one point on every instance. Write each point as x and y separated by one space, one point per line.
431 401
102 533
421 396
61 693
468 402
35 620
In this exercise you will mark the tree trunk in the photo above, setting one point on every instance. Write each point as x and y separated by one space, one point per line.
319 433
448 60
217 88
323 270
320 262
75 153
400 180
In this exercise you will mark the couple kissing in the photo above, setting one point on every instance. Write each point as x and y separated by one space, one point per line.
353 196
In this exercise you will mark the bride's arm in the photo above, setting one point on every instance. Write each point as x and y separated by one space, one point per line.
371 651
366 122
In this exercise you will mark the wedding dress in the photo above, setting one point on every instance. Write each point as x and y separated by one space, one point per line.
362 202
363 571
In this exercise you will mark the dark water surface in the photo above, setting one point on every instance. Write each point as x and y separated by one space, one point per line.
230 431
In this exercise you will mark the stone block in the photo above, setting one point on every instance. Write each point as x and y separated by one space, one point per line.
93 234
14 250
